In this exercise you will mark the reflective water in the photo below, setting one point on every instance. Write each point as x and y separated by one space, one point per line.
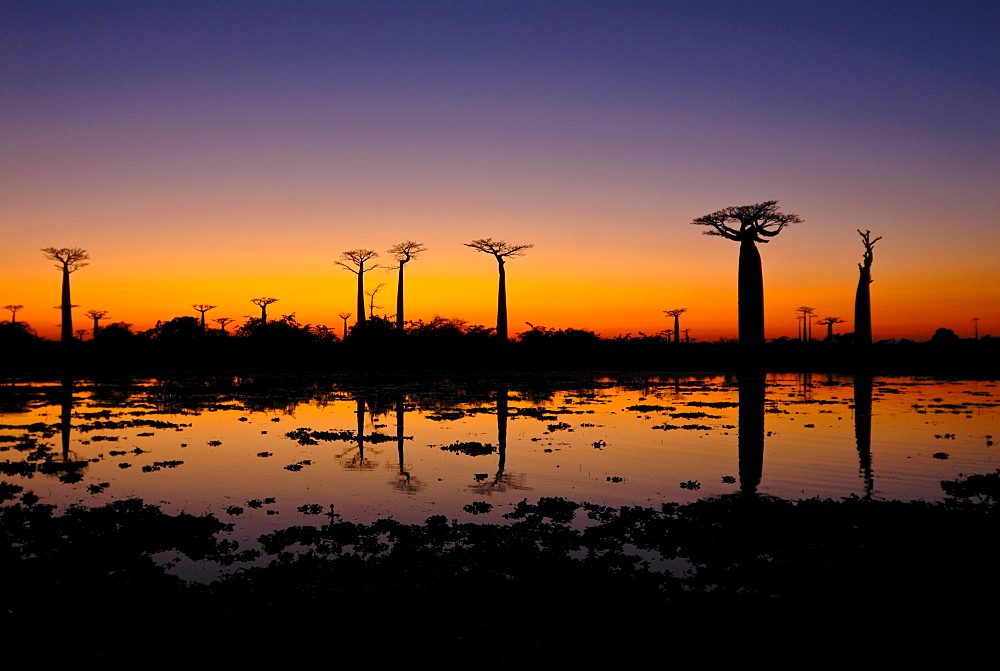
268 453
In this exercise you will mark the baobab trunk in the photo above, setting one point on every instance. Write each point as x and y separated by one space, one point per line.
677 328
67 309
361 295
399 299
863 308
502 304
751 295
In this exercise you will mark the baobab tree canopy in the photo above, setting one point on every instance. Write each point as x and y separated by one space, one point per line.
498 248
68 259
756 223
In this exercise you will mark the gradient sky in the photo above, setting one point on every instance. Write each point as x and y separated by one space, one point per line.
213 152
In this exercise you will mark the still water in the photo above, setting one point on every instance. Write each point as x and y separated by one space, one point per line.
267 453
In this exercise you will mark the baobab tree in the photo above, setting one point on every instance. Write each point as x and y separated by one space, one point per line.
13 312
828 322
863 297
756 223
222 321
500 250
345 316
805 314
676 314
68 260
203 308
262 303
97 316
354 260
404 252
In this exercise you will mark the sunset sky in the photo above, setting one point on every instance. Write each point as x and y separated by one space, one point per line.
213 152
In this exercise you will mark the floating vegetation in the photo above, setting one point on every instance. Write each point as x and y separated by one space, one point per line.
214 443
310 509
615 478
940 455
478 507
686 427
651 408
470 448
728 479
298 465
599 444
97 488
265 454
691 484
559 427
157 465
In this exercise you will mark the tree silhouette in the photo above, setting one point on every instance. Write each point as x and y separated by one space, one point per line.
975 321
13 312
97 316
828 322
757 223
676 314
404 252
262 303
345 316
203 308
863 297
358 257
68 260
500 250
371 303
222 321
805 314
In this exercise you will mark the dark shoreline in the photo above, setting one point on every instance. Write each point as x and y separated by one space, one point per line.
971 359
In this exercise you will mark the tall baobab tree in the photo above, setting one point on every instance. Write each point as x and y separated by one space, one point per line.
262 303
828 322
975 321
354 260
345 316
68 260
404 252
13 312
805 314
676 314
97 316
863 297
756 223
500 250
203 308
222 321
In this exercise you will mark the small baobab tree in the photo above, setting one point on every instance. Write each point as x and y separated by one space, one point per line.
354 260
863 297
676 314
748 225
97 316
262 303
828 322
203 308
345 316
222 322
68 260
501 251
13 312
975 321
403 253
